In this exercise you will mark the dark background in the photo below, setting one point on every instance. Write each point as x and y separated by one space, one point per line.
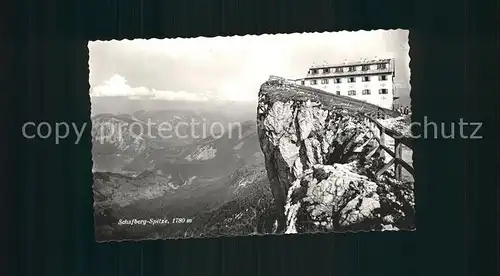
48 194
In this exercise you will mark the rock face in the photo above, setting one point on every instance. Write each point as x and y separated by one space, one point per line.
314 148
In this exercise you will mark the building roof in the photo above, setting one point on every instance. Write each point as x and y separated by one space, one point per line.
352 63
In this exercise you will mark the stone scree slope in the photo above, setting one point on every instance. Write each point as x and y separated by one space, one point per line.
314 145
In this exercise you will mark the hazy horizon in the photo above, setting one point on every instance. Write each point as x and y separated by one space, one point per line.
221 71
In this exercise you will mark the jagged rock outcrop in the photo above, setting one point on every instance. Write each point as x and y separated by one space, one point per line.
315 147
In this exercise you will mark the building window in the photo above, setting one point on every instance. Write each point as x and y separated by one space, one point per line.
314 71
338 92
382 78
352 68
339 70
352 79
365 67
383 91
365 79
337 80
324 81
313 82
351 92
326 70
382 66
366 92
302 82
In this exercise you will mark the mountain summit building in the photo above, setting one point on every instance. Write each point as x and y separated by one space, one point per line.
368 80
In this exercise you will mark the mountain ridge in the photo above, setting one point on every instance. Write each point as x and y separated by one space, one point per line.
315 146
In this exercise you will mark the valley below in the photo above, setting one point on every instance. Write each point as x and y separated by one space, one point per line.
210 186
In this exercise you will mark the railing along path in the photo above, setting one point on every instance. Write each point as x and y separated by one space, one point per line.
377 133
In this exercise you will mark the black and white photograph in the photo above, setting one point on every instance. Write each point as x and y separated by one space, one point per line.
251 135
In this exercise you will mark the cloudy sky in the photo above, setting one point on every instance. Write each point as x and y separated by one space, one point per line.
230 68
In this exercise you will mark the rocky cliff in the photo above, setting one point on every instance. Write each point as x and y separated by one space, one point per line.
315 147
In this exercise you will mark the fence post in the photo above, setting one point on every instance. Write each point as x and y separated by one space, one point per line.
382 142
398 151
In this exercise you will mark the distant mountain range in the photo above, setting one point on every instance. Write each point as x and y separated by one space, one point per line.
218 182
238 111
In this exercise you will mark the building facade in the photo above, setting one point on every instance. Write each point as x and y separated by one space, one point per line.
368 80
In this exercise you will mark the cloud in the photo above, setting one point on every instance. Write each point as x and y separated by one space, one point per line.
117 86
